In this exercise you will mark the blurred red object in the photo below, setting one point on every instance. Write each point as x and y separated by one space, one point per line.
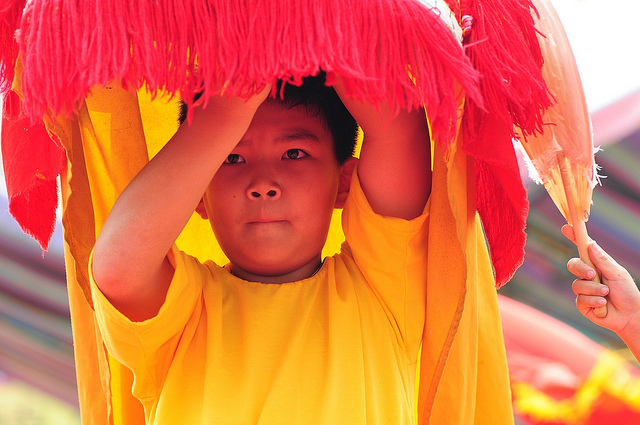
561 377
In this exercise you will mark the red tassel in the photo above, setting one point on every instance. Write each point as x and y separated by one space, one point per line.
501 41
502 45
384 50
10 13
501 201
32 162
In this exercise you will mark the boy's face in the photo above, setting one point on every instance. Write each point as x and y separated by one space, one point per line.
270 203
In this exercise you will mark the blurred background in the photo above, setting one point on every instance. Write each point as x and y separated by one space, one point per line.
37 376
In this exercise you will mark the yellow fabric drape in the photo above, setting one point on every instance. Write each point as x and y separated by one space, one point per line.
463 377
463 356
101 161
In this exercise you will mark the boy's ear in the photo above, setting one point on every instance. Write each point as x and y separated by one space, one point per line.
201 210
346 173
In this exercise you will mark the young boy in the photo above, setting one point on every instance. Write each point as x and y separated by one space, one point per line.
622 295
279 335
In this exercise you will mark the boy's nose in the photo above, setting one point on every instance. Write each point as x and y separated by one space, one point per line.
264 190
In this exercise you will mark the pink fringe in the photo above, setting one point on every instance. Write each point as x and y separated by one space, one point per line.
184 46
385 50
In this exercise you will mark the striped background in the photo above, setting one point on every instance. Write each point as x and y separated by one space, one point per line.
35 331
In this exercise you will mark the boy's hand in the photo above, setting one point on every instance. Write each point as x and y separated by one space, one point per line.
223 107
623 297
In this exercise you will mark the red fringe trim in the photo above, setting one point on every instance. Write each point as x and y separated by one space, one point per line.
385 50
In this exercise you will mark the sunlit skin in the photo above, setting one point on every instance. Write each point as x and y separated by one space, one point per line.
270 203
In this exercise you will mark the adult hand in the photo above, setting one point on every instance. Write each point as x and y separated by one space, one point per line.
621 292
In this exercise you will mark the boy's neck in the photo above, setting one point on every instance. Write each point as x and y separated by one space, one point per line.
306 271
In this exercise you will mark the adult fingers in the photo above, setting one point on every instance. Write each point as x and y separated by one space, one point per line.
587 302
567 231
589 288
581 269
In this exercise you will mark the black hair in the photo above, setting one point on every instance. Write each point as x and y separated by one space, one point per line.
320 100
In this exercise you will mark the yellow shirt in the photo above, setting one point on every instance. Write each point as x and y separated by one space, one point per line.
337 348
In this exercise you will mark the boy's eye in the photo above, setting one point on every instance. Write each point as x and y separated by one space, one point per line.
294 154
234 158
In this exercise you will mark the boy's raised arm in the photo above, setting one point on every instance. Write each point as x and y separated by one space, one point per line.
130 264
395 161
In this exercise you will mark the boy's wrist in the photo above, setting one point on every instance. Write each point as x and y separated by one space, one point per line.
225 110
233 105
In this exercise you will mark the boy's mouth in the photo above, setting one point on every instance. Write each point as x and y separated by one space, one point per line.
265 220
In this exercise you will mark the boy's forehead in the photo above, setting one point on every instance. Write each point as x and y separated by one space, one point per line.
287 123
